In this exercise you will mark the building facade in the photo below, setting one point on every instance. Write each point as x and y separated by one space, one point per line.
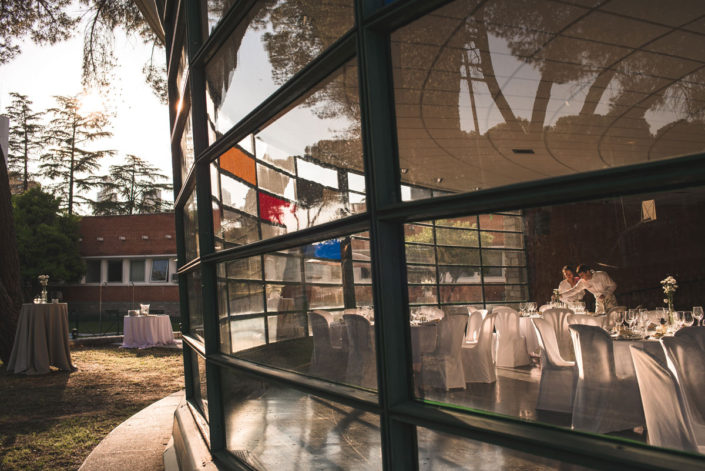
395 158
130 260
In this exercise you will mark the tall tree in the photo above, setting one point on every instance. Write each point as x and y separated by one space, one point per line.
44 21
132 188
68 162
47 240
25 137
10 291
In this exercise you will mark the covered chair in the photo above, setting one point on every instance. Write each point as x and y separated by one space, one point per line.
327 360
685 353
558 318
511 345
583 319
478 362
604 402
474 324
443 368
558 376
668 423
362 363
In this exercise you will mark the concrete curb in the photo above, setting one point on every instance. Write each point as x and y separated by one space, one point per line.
138 443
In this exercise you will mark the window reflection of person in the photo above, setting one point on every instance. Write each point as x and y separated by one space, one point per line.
598 283
570 279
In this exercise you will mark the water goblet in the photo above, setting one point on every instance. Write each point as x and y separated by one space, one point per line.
698 314
688 319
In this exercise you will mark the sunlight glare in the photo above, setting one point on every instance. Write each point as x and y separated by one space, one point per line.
90 102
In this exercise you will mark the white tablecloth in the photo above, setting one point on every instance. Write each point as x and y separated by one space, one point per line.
42 339
147 331
526 328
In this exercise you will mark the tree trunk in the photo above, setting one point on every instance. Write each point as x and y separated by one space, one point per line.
10 290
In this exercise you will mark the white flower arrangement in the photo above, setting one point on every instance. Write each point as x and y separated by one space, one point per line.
43 279
669 285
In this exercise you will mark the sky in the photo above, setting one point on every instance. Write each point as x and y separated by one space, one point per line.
141 123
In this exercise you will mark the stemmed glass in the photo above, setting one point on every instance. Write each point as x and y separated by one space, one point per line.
698 314
532 308
631 316
522 309
617 318
688 319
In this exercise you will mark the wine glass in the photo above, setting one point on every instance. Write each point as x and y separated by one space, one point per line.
698 314
631 316
688 318
617 317
532 308
522 309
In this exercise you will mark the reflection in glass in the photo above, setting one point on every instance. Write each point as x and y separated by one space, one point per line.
187 149
200 390
305 168
439 450
190 211
308 309
530 366
273 427
276 39
512 93
195 303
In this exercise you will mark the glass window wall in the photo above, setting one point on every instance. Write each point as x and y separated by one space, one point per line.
276 39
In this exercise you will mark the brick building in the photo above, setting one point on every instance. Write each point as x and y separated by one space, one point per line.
129 260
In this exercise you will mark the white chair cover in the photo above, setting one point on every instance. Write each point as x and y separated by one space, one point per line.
558 318
667 422
558 377
362 363
543 307
584 319
474 324
443 368
604 402
511 346
685 354
478 363
327 361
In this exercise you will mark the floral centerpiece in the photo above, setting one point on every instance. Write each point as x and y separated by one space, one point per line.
44 280
669 286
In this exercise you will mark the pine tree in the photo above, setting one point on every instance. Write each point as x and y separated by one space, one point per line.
25 137
68 162
132 188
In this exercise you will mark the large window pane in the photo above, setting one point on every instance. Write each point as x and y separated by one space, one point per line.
200 390
137 270
275 40
190 211
160 270
298 173
195 303
293 313
93 271
274 427
439 450
498 93
114 271
539 366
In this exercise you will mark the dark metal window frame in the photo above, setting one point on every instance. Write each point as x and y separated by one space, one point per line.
399 412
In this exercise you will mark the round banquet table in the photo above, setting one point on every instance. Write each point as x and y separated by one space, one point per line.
41 339
147 331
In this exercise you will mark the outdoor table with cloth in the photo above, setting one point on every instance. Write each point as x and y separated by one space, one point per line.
147 331
41 340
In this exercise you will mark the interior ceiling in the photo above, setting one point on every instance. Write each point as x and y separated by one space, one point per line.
504 91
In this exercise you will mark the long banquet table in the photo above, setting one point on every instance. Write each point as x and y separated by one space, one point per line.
147 331
41 340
